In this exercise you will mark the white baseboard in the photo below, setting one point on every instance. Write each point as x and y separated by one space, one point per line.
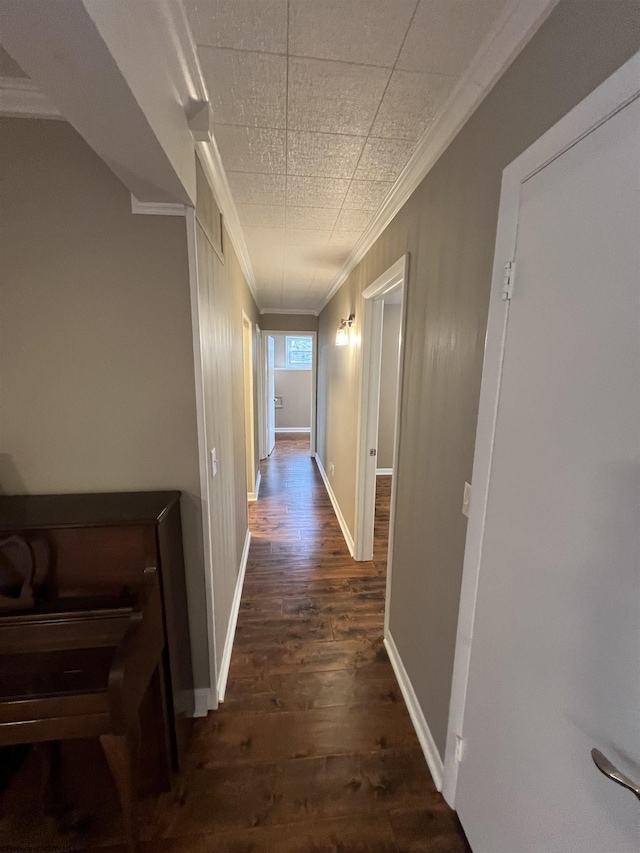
252 497
233 620
348 538
293 429
383 472
425 737
202 704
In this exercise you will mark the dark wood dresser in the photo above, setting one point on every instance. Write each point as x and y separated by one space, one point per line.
98 545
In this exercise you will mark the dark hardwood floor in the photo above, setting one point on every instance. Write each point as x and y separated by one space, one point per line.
313 750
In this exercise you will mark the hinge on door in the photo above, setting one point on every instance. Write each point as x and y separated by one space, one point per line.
459 748
373 452
507 282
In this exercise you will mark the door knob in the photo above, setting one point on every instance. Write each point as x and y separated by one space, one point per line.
605 766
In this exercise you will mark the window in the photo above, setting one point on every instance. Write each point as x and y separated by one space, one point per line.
298 352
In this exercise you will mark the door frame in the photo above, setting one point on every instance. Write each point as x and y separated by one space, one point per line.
253 471
314 381
613 95
372 308
259 384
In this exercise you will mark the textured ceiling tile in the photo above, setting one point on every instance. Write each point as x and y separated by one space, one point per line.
366 195
311 217
410 104
268 269
265 236
304 259
306 237
445 34
251 149
333 97
329 155
316 192
383 159
352 220
252 188
243 24
345 238
297 277
366 31
256 215
245 88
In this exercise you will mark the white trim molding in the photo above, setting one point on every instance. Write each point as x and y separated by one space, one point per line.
202 701
294 429
253 496
307 311
21 98
393 280
384 472
429 748
156 208
517 24
348 538
233 621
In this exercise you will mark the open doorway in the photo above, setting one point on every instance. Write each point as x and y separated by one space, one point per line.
247 367
383 304
288 387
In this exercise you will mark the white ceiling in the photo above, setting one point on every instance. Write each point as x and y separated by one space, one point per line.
318 106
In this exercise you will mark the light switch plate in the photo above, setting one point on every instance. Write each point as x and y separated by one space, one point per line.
466 499
214 462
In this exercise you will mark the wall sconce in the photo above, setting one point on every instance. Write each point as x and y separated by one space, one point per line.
343 335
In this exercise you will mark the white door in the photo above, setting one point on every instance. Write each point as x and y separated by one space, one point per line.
271 391
555 658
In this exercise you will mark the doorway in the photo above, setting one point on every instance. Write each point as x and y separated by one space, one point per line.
288 387
546 665
388 292
253 476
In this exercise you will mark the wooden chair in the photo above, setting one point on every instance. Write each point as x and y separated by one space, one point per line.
79 667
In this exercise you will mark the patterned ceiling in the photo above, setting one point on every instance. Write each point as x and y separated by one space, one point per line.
318 106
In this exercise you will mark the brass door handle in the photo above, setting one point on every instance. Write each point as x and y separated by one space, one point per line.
606 767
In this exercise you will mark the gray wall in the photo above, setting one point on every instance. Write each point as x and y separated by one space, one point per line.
448 227
388 384
289 322
96 362
222 296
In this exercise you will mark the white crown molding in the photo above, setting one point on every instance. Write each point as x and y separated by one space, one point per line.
212 165
184 48
21 98
156 208
307 311
517 24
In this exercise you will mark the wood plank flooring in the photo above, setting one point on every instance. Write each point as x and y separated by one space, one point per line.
313 750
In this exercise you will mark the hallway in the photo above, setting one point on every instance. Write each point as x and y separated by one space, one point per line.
313 749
